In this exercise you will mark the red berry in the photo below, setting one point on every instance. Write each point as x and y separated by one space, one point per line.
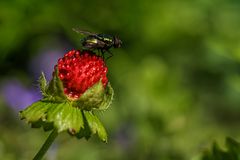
80 71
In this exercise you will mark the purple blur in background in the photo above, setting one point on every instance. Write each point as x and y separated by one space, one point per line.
18 96
44 62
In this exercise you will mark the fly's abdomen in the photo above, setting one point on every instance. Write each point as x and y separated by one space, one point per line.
93 43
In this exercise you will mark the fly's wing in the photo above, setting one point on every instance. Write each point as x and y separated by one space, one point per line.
77 30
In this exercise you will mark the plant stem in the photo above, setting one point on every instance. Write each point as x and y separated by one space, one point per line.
46 145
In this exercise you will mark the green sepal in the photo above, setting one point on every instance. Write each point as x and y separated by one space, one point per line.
96 97
65 117
55 110
36 111
62 116
107 98
95 125
55 90
84 132
46 126
43 85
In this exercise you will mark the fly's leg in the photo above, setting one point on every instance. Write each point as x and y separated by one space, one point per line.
102 53
110 54
99 52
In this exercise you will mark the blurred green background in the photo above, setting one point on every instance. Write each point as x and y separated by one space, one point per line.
176 77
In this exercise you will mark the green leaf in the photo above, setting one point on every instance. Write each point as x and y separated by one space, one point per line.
217 152
232 152
206 155
95 125
233 147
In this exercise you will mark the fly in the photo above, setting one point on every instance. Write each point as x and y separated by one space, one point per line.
101 42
